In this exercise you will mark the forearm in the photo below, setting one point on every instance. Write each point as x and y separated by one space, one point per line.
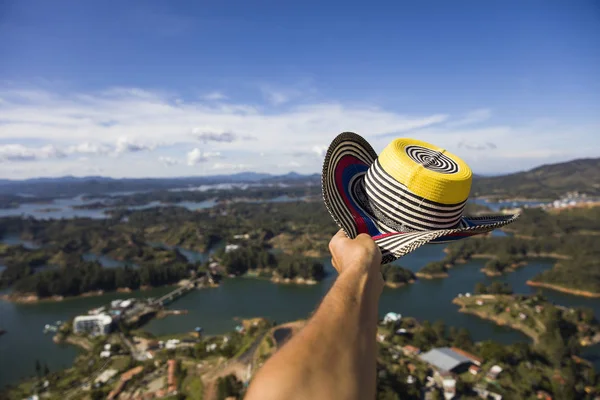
334 355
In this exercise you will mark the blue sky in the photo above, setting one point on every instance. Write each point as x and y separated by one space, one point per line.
156 88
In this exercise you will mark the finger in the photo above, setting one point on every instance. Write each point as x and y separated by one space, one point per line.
338 238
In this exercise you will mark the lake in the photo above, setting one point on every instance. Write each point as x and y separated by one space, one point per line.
215 309
63 208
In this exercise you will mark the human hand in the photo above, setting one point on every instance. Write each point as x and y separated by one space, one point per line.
360 254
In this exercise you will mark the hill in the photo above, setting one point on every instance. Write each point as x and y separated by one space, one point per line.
547 181
70 186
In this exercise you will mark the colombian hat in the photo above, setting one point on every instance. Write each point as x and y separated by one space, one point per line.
412 194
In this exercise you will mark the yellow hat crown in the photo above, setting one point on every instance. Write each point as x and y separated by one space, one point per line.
428 171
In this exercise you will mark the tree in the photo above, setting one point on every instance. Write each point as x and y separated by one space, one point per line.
480 288
493 351
228 386
46 370
38 368
463 339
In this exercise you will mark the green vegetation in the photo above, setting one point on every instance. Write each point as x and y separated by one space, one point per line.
503 264
544 182
571 236
147 239
396 276
229 386
435 269
558 331
493 288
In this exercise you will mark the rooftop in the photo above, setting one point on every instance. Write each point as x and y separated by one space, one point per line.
444 358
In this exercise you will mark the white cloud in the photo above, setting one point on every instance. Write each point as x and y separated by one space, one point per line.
128 145
216 95
89 148
472 117
168 161
18 152
196 156
54 129
207 136
320 150
228 167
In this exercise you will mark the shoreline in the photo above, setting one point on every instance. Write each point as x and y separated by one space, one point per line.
295 281
507 270
558 288
424 275
31 298
396 285
494 319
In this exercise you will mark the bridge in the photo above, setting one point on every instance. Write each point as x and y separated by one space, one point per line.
180 291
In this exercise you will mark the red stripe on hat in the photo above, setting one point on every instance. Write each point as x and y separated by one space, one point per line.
345 162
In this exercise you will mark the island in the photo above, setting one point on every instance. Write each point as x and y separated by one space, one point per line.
434 270
396 276
531 314
569 236
163 246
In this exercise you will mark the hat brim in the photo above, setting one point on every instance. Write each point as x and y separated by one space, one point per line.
348 158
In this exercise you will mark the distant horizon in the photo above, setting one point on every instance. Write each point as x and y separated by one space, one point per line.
274 175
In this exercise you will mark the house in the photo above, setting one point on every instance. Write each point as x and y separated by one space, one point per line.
391 317
543 395
522 316
105 376
410 380
171 379
445 359
401 331
92 324
211 347
486 394
447 381
231 247
479 302
380 337
105 354
494 372
474 369
411 350
539 309
476 360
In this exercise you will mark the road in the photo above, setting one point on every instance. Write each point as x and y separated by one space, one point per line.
246 357
137 355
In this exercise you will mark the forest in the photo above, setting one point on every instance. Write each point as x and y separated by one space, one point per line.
570 236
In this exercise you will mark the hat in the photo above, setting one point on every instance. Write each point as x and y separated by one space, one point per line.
411 194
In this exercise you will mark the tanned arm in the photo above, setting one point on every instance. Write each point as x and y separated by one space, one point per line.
334 356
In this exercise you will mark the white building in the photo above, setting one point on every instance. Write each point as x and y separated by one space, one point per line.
231 247
92 324
391 317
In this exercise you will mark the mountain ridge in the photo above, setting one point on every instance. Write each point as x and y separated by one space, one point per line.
544 181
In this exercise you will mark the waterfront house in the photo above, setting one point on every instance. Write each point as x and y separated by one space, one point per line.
447 382
411 350
391 317
92 324
476 360
494 372
445 359
543 395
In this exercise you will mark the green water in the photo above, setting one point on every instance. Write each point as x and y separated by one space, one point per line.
215 310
